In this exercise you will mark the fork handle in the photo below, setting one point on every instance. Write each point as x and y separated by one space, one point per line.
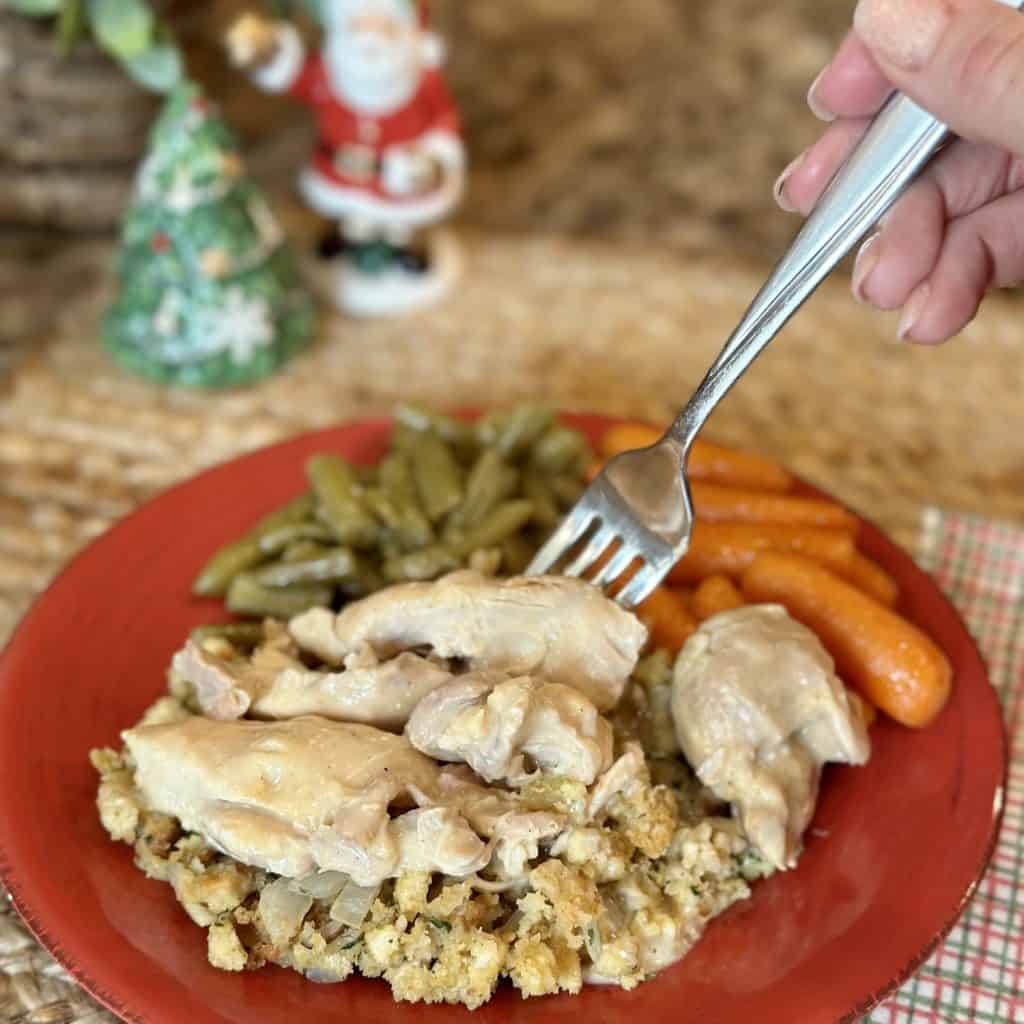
901 139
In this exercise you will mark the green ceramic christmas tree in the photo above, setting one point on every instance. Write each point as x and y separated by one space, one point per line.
210 295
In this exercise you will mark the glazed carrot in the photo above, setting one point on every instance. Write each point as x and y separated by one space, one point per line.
735 468
592 470
602 560
667 616
625 436
866 712
715 594
890 661
707 461
714 503
729 548
872 579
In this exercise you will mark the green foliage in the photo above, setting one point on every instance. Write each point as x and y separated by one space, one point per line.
123 28
37 8
127 30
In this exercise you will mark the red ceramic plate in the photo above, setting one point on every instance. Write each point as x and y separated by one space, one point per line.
896 850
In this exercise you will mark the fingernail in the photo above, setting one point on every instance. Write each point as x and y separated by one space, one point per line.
867 260
905 33
780 184
818 109
912 311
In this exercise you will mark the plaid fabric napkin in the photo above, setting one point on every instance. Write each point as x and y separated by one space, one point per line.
977 974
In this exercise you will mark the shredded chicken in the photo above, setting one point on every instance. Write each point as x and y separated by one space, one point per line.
559 629
276 685
758 709
494 724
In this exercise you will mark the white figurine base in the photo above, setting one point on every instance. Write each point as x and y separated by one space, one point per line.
391 292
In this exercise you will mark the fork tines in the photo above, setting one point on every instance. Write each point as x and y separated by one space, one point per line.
599 533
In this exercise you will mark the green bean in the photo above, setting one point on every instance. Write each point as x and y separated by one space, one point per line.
454 432
333 565
438 476
521 429
247 596
394 475
327 565
303 551
487 429
284 536
546 512
241 635
396 503
504 521
214 578
560 450
566 489
516 553
490 481
425 564
338 494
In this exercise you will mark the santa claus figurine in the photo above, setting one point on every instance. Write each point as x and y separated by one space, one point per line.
389 161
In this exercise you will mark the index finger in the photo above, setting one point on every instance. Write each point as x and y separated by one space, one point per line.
852 85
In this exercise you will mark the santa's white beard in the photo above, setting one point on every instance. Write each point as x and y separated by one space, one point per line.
372 74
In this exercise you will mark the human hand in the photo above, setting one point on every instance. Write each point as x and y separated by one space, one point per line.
959 230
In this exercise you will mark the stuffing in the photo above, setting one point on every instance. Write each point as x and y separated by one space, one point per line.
639 863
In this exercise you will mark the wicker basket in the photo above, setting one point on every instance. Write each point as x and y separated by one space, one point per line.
71 131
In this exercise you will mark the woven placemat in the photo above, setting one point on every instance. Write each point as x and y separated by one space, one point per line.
614 329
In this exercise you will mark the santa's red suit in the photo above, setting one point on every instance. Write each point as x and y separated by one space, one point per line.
347 177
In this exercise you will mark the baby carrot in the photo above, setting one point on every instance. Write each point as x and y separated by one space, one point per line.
623 437
707 461
871 578
713 595
890 661
729 548
722 465
714 503
667 618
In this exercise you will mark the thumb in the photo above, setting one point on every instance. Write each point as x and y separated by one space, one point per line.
962 60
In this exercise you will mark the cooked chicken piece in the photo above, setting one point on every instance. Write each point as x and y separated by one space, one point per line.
495 724
438 839
226 683
303 795
621 777
560 629
515 831
758 709
275 685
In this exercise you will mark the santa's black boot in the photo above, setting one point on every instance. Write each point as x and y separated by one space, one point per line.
413 259
332 244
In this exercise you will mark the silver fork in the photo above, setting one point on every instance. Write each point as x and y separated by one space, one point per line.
641 500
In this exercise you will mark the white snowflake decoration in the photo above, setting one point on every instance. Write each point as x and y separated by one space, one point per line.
167 316
147 185
182 196
241 326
